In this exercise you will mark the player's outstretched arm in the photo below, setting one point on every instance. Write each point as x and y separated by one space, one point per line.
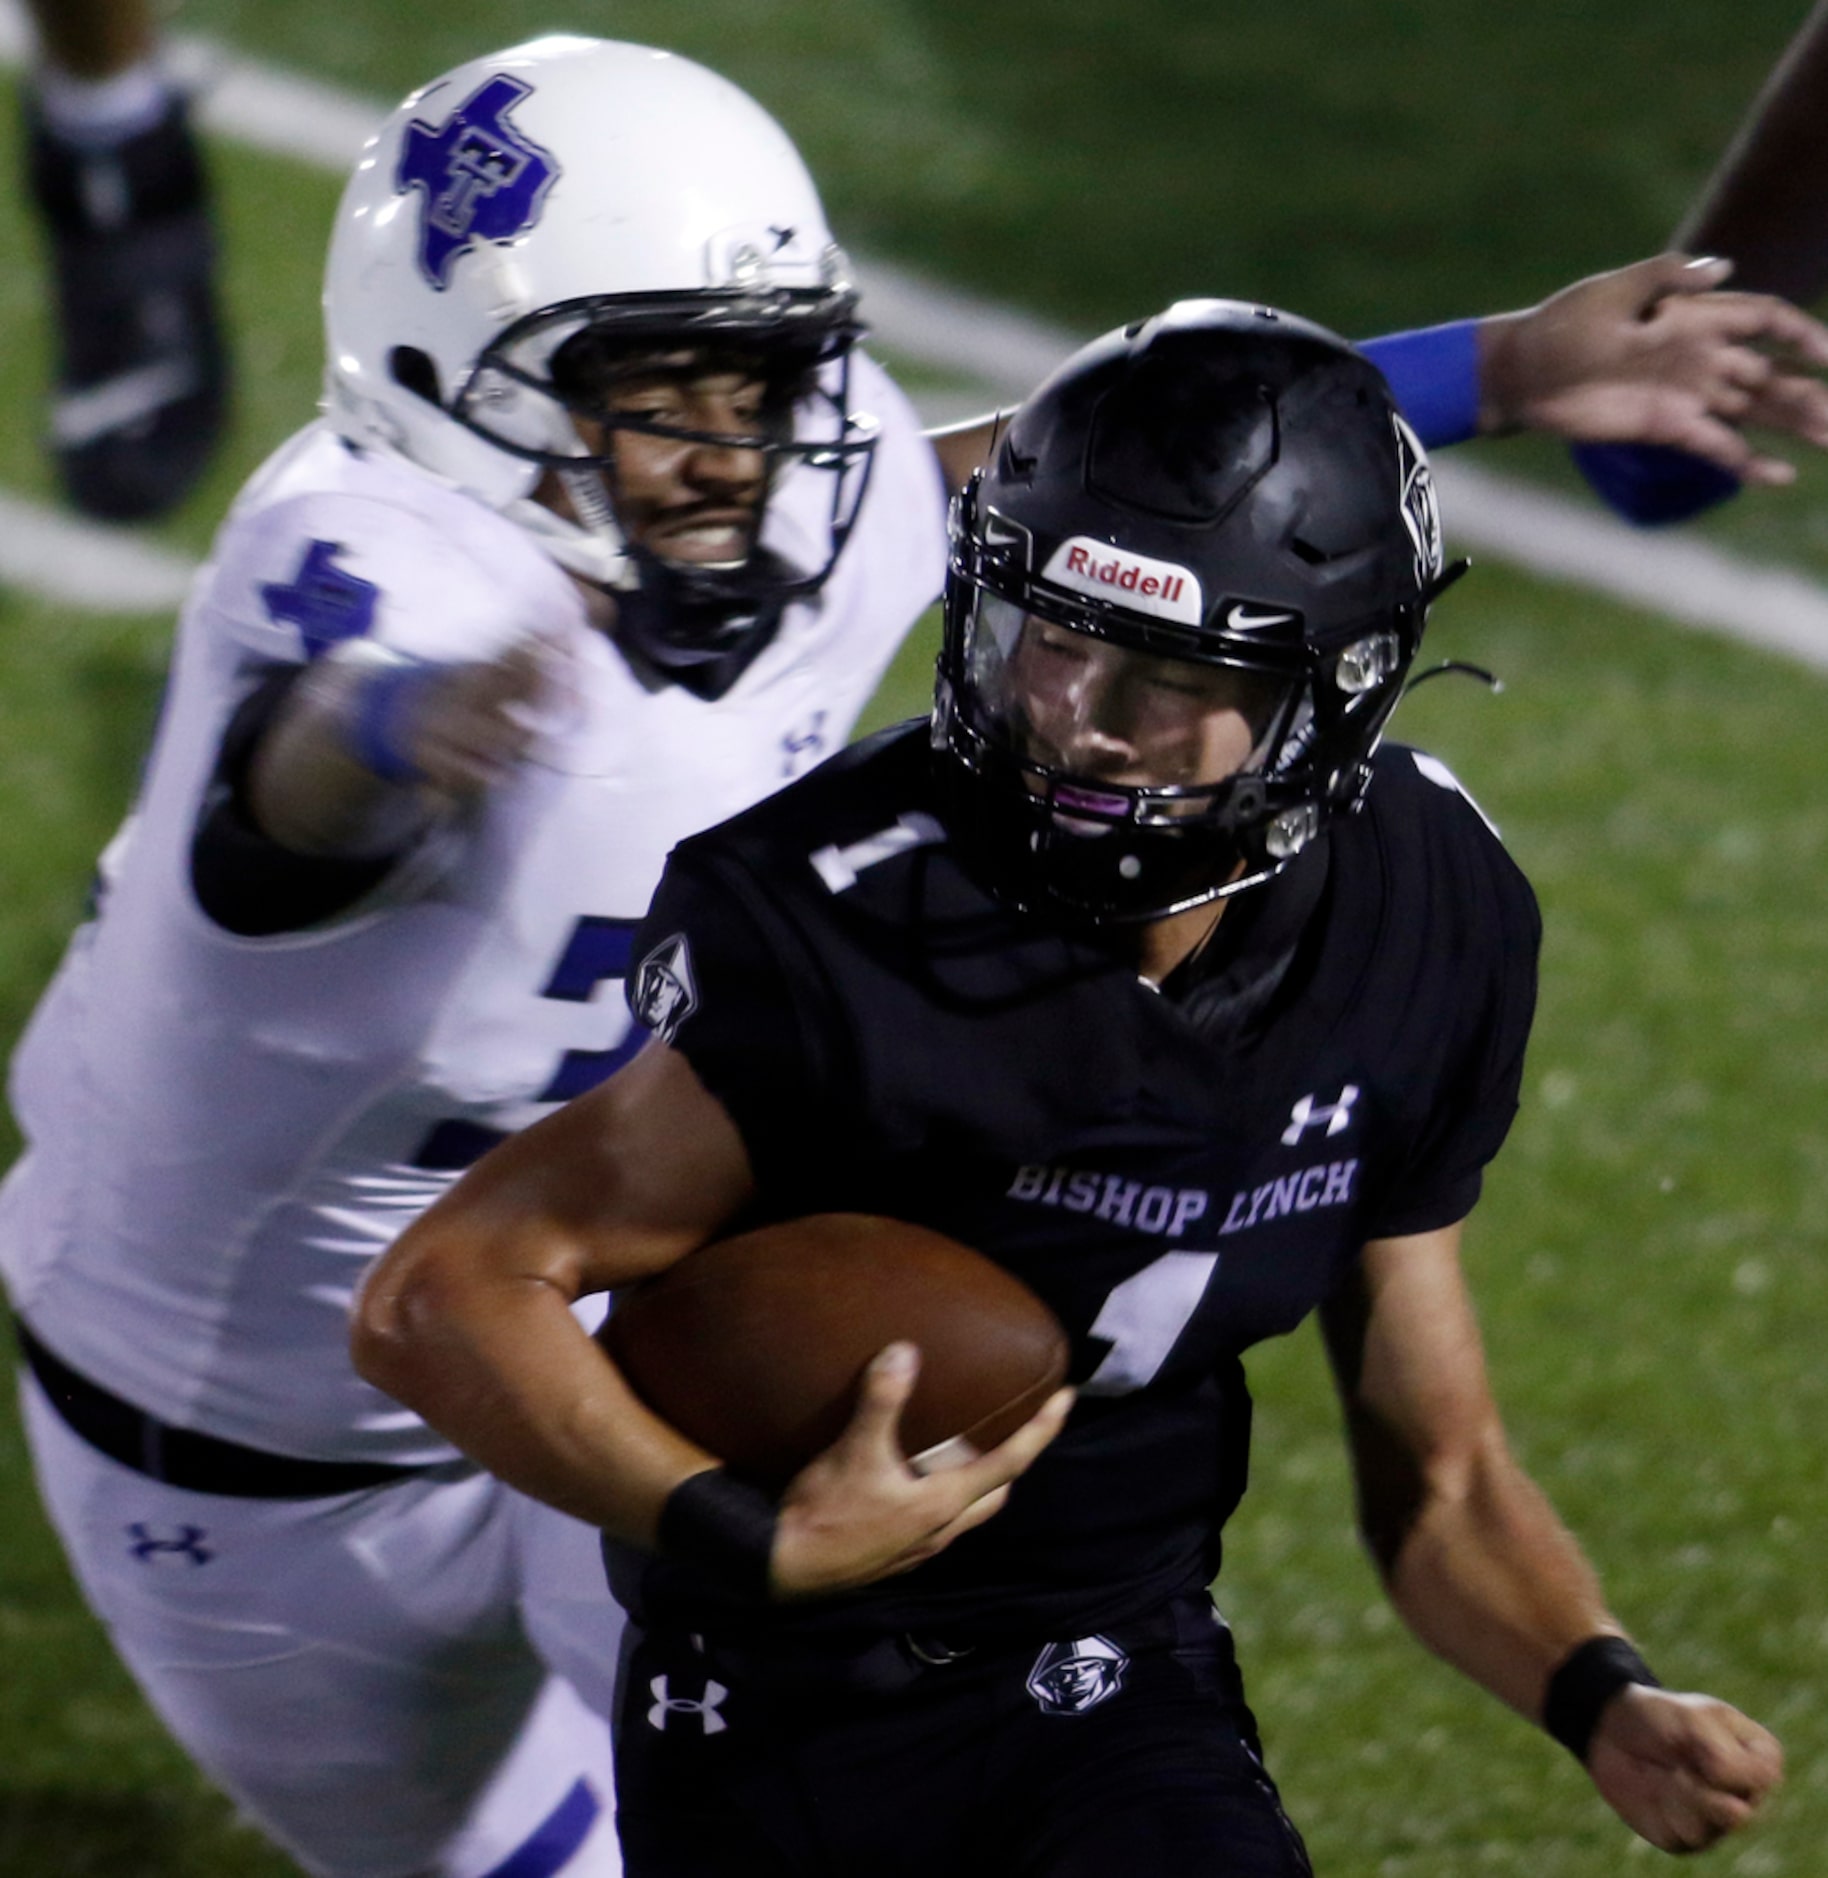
1657 353
1479 1566
1653 353
363 753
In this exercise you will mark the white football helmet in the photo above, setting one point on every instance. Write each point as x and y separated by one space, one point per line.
575 186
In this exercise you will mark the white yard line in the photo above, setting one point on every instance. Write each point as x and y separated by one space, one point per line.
104 570
996 354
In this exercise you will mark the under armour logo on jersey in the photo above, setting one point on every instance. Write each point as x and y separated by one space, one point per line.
664 995
704 1707
325 602
483 180
797 744
1334 1117
1069 1678
184 1545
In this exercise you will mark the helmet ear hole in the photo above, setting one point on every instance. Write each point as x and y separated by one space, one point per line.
415 371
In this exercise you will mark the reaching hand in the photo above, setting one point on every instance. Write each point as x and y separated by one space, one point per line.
1655 353
464 727
858 1512
1681 1770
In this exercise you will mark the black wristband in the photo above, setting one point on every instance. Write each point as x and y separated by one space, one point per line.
724 1529
1589 1677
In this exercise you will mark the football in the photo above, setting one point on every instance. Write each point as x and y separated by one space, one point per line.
753 1346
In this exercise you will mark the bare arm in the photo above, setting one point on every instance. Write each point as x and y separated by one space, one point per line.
1479 1566
964 449
467 1320
1764 206
1651 353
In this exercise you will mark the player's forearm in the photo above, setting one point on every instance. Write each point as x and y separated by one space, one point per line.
492 1358
1488 1578
309 788
1762 208
963 449
467 1316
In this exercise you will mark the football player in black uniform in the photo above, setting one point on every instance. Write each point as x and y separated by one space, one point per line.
1149 974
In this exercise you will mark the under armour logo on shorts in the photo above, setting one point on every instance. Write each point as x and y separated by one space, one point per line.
185 1544
703 1707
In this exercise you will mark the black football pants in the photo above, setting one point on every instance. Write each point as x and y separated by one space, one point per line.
1128 1755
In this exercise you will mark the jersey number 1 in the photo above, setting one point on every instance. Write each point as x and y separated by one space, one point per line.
1143 1319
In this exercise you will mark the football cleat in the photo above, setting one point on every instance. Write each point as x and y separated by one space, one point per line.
141 378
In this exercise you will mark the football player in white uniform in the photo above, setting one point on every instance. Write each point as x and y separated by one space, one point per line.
406 804
608 530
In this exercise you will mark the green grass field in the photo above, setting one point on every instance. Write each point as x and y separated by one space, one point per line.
1648 1259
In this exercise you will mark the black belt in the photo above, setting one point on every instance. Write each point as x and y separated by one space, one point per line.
181 1457
805 1664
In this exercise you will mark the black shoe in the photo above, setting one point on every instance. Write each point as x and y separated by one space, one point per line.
142 378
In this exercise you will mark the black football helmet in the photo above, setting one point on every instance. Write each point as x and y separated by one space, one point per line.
1221 501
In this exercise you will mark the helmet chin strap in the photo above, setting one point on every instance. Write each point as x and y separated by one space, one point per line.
592 546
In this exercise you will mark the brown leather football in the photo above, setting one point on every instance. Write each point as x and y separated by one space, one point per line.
753 1346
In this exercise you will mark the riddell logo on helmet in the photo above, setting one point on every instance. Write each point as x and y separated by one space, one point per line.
1143 585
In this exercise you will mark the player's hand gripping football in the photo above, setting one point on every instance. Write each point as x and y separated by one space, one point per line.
859 1512
1681 1770
1656 353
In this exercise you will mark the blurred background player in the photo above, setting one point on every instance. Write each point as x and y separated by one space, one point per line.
1221 1014
610 529
117 178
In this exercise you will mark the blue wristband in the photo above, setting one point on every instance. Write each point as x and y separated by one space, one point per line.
1434 377
374 735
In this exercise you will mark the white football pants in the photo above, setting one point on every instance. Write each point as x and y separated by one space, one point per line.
355 1672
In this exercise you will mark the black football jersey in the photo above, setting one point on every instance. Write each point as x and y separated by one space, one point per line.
1179 1172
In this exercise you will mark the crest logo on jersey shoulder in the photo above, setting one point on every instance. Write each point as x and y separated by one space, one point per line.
664 993
1069 1678
482 179
325 602
1144 585
1421 506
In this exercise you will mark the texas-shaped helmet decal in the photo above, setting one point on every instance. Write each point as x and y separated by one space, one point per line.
483 181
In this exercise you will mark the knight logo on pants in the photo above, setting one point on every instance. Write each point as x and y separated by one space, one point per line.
1144 586
1069 1678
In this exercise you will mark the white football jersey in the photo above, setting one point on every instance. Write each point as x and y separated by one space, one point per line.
223 1131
